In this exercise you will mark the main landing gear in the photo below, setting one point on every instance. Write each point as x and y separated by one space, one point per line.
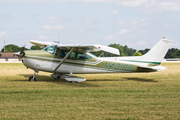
32 78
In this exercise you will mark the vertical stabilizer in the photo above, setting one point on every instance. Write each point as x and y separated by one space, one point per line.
158 52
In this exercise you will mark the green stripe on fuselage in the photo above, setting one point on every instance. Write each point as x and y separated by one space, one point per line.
155 63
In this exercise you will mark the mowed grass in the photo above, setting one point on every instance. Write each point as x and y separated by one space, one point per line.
103 96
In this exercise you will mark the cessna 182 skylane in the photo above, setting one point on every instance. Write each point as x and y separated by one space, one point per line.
65 60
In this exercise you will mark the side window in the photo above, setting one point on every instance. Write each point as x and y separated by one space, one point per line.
72 55
75 55
83 56
64 53
57 50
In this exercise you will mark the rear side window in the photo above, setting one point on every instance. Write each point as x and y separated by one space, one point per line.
83 56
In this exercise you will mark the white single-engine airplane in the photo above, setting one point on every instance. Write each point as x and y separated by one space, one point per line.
65 60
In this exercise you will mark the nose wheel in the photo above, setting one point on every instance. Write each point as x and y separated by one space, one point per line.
32 78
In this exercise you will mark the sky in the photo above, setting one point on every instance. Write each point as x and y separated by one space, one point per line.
139 24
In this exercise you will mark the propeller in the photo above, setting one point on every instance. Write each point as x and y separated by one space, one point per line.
21 53
22 50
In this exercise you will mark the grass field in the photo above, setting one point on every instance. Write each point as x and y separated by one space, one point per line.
102 96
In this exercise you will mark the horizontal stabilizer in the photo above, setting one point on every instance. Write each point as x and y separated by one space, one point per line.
73 78
69 78
151 69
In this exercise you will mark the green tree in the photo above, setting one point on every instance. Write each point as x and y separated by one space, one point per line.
11 48
35 47
144 51
178 54
172 53
137 54
131 52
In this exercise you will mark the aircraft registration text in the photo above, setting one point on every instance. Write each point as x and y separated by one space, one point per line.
118 66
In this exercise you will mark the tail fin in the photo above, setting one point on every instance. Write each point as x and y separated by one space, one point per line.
158 52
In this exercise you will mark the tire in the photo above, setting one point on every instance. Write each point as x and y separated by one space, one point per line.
31 79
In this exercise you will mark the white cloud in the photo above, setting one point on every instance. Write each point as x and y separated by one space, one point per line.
57 27
3 34
133 3
124 31
143 5
169 6
114 12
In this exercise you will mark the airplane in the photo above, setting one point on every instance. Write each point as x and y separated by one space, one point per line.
64 60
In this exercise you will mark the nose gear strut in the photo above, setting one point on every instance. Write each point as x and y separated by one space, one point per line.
33 78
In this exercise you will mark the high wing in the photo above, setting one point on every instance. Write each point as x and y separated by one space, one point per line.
41 43
79 47
90 48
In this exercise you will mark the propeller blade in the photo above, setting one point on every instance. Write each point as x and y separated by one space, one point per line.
22 50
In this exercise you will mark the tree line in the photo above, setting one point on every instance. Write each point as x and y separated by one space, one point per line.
124 51
15 48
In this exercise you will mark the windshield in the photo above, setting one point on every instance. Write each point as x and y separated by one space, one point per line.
51 49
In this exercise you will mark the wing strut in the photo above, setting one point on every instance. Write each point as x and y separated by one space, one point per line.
63 60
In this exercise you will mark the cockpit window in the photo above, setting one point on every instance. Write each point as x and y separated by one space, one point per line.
51 49
83 56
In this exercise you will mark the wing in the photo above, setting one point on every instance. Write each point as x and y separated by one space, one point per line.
79 47
90 48
41 43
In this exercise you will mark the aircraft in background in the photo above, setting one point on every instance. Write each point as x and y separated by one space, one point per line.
65 60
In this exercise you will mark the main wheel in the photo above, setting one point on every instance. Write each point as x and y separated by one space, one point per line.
31 79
